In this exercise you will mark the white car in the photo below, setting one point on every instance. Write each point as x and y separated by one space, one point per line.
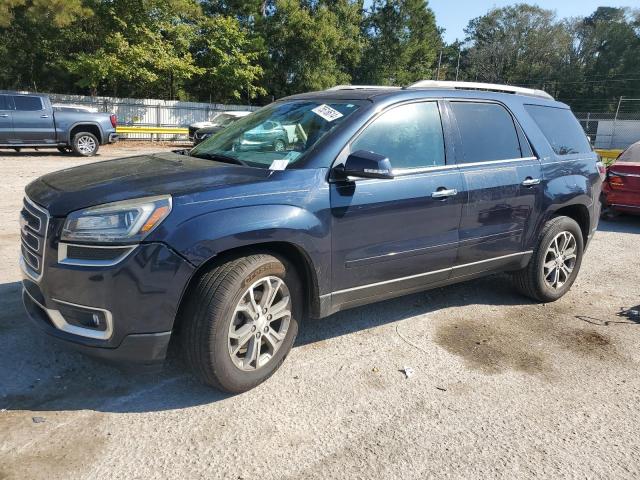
218 119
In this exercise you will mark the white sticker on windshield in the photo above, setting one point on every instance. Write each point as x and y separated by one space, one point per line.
326 112
279 164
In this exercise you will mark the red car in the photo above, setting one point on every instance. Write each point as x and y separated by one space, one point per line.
621 187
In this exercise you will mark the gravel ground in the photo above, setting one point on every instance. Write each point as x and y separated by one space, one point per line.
503 388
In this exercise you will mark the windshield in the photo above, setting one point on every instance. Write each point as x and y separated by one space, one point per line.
276 136
631 154
224 119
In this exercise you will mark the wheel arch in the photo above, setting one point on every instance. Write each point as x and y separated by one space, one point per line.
90 127
579 213
292 253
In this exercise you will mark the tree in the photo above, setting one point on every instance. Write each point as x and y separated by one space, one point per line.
310 46
228 59
520 44
403 43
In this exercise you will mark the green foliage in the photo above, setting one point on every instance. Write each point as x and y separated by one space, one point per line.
404 43
589 62
255 50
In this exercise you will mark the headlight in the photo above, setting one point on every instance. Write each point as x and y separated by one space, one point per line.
126 221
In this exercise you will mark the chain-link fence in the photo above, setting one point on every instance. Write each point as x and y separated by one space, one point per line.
616 130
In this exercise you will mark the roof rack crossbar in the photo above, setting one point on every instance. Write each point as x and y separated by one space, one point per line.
492 87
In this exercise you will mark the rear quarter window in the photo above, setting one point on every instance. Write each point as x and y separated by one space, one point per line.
561 129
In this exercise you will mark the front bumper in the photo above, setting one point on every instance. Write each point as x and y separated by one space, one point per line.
137 299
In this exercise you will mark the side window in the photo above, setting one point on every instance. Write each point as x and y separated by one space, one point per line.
560 128
4 104
409 135
487 131
27 103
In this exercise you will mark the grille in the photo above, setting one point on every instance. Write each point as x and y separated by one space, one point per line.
34 221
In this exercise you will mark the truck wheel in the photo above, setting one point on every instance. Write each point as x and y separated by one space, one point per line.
85 144
240 321
279 146
555 262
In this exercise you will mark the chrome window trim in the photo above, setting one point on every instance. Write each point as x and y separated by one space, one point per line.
63 259
61 324
418 275
23 264
623 174
490 162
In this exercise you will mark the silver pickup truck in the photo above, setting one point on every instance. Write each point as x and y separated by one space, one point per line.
30 121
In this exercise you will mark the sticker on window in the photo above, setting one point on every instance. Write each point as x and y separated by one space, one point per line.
326 112
279 164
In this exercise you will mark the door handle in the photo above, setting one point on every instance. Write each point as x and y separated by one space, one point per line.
530 182
44 116
4 115
444 193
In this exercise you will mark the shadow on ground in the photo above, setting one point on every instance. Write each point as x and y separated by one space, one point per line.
621 224
40 374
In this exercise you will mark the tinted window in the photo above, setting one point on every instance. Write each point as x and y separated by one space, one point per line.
4 104
487 131
631 154
26 103
561 129
409 135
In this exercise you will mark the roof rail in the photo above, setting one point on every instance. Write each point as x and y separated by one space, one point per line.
361 87
491 87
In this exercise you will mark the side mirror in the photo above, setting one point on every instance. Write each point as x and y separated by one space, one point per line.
364 164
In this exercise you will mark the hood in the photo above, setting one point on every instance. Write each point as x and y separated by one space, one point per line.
132 177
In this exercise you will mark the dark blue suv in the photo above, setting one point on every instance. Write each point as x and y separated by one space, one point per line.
378 192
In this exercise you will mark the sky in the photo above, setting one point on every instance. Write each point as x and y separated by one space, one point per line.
453 15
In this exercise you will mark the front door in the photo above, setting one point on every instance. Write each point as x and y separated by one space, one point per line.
6 115
396 235
32 121
502 179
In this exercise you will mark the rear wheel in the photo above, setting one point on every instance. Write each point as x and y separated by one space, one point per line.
555 262
85 144
240 321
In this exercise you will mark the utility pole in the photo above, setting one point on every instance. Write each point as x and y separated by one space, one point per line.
439 62
458 65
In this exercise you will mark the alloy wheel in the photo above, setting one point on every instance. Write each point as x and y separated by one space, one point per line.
86 144
260 323
560 260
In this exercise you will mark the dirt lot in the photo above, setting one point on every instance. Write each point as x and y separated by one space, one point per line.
503 388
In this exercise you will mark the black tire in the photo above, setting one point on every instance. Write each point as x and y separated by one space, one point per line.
209 311
85 144
530 281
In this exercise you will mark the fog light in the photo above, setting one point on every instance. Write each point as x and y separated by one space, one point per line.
84 318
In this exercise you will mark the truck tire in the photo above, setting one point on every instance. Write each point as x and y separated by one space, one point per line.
240 320
85 144
555 262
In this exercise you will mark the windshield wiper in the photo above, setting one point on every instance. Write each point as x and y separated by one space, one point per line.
221 158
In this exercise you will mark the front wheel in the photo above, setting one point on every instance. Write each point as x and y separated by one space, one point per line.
85 144
555 262
240 321
279 146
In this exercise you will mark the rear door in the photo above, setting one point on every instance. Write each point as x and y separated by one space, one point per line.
6 116
502 180
33 120
395 235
